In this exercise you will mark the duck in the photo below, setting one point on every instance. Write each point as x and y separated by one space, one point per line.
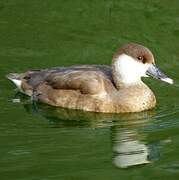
97 88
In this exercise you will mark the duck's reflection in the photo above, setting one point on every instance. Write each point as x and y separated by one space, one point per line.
128 136
129 150
130 144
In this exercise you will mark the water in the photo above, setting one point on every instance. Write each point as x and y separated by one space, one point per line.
41 142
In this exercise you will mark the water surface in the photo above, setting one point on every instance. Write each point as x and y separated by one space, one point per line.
41 142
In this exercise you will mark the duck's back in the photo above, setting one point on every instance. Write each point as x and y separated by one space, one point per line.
91 80
73 87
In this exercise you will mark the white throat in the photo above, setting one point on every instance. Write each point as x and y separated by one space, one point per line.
128 70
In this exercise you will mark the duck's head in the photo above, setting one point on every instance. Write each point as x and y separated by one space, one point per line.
134 61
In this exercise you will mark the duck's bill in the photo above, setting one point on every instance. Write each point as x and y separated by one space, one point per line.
155 72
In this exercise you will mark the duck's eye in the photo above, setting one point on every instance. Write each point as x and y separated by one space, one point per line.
140 58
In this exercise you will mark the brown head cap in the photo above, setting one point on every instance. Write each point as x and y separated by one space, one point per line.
136 51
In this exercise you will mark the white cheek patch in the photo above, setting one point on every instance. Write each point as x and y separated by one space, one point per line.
129 70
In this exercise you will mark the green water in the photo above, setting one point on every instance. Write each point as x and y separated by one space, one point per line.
40 142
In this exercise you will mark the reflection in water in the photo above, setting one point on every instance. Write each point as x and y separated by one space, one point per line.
132 149
129 141
129 150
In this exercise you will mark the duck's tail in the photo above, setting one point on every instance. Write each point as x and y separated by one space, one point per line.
16 79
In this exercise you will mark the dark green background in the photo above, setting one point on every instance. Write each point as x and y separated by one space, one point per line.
40 142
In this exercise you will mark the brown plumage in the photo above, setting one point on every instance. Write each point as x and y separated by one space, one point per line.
97 88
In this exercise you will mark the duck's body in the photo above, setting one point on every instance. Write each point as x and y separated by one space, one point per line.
96 88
